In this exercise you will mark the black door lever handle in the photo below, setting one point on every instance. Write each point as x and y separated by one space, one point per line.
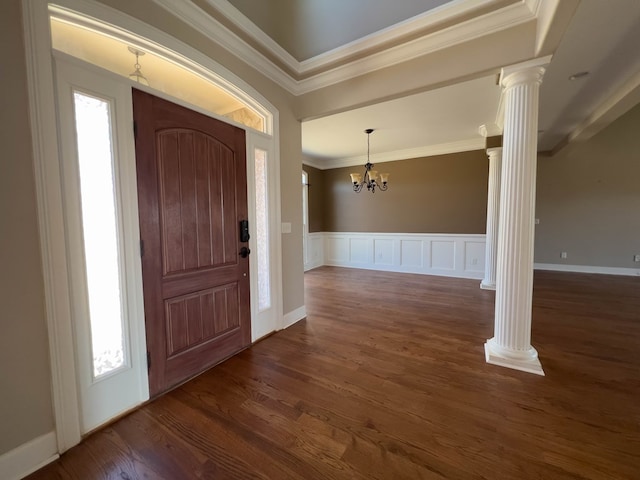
244 252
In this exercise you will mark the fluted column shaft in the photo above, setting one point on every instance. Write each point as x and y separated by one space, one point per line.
493 210
511 343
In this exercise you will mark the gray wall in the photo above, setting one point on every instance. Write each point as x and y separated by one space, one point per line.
588 199
25 385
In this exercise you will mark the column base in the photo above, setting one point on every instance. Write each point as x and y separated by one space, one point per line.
485 285
524 361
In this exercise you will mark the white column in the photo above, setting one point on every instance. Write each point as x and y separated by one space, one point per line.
511 343
493 209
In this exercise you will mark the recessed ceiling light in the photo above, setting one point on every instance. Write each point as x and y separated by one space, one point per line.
578 75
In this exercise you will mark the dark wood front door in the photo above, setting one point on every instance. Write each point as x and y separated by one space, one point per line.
192 194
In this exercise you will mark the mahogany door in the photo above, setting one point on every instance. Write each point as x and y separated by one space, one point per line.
192 194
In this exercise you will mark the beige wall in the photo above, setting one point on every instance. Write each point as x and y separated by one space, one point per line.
316 198
25 385
588 199
439 194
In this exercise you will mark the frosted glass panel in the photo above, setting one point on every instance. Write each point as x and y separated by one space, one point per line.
95 158
262 230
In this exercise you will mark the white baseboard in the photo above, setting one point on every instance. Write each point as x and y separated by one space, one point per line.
312 265
29 457
294 316
631 272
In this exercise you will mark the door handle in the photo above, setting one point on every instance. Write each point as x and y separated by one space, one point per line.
244 252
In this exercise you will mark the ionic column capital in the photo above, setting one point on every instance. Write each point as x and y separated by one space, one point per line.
525 73
494 152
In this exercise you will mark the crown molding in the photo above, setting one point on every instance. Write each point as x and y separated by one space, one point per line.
251 29
419 152
315 163
393 34
215 31
469 30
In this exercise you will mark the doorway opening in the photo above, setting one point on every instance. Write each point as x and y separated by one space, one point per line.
305 220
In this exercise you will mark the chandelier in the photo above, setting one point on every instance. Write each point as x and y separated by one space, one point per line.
370 178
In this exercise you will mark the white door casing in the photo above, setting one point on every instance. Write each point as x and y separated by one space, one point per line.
266 313
305 221
103 397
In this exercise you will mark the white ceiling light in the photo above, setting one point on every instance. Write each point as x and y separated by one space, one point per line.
137 75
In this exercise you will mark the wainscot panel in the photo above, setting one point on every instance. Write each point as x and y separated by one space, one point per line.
451 255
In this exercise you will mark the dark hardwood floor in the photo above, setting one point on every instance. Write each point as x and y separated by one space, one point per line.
386 379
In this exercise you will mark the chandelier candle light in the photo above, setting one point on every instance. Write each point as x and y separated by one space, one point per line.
370 177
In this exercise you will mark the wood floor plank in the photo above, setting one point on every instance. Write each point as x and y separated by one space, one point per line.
386 379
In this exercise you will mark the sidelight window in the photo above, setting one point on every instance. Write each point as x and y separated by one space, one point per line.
99 229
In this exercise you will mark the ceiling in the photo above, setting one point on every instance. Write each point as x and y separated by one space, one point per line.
447 55
306 29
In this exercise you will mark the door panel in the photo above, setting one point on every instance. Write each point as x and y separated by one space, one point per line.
192 195
101 222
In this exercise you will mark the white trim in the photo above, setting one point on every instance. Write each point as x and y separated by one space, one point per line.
490 129
215 31
501 19
529 365
51 221
315 251
29 457
114 23
510 16
542 62
314 162
125 388
487 286
449 255
418 152
630 272
505 72
294 316
270 319
424 21
248 27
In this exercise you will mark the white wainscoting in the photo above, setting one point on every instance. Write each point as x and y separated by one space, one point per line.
432 254
315 256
